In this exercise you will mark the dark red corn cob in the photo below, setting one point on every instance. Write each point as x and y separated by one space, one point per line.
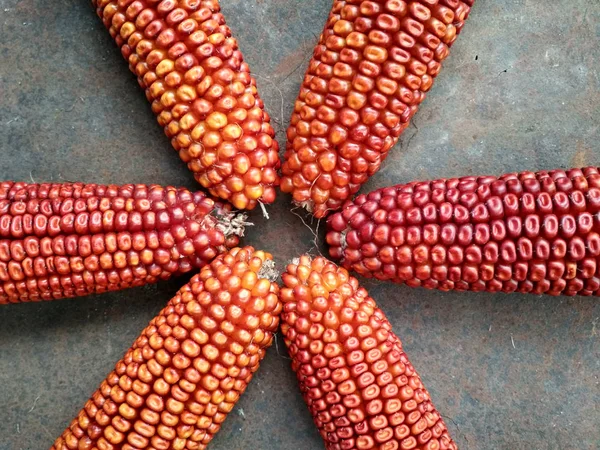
371 69
358 383
527 232
184 374
72 239
201 90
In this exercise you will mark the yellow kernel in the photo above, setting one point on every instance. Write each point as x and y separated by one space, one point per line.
188 121
164 67
216 120
211 139
127 29
127 411
249 279
210 352
239 200
172 129
186 93
113 436
168 99
208 158
232 132
342 27
216 38
199 130
254 192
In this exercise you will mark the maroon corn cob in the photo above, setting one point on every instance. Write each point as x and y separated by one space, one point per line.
358 383
183 375
526 232
72 239
201 90
371 69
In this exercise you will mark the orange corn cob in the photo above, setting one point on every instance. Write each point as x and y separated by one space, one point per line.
184 374
526 232
371 69
201 90
357 381
72 239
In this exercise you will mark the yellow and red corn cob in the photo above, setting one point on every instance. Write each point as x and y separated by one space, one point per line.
524 232
72 239
185 372
370 70
358 383
201 90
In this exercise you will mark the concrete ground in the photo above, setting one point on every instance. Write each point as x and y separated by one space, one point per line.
521 91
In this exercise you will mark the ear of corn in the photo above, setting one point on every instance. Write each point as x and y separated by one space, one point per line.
201 90
72 239
370 71
526 232
185 372
358 383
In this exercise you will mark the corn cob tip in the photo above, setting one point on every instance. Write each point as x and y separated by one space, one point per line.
232 224
268 271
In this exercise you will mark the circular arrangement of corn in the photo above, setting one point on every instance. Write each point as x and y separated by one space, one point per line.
374 62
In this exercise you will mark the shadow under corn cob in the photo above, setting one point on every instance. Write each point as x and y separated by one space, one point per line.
526 232
370 70
73 239
358 383
201 91
185 372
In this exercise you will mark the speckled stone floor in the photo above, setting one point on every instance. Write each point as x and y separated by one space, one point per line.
521 91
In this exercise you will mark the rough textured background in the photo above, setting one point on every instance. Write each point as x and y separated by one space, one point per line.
520 91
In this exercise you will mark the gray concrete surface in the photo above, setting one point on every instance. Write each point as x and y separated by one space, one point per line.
521 90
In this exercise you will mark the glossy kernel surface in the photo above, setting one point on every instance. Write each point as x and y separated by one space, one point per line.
184 373
521 232
201 91
358 383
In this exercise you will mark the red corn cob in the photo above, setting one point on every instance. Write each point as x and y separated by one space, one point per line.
201 90
358 383
527 232
71 239
184 374
370 70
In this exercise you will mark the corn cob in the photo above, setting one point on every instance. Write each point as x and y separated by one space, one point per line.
357 381
72 239
526 232
370 70
184 374
201 91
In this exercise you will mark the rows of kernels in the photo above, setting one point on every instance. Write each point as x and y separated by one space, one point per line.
526 232
73 239
358 383
183 375
370 70
201 91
